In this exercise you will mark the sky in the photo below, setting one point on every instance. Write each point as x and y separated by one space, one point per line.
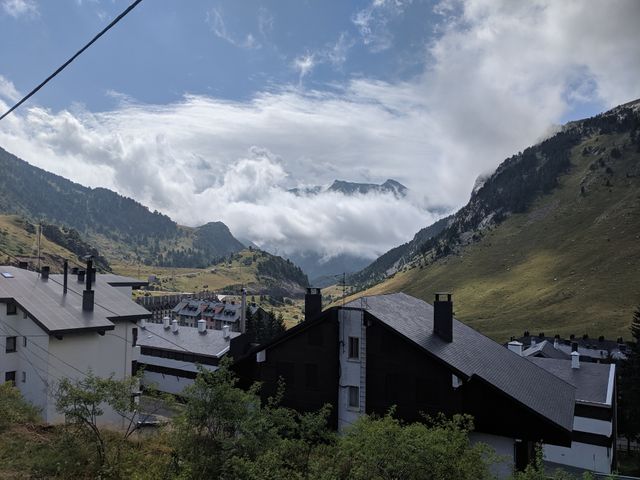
211 110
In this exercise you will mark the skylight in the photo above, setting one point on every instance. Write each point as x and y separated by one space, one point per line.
7 275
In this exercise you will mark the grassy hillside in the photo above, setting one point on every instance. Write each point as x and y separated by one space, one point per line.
568 264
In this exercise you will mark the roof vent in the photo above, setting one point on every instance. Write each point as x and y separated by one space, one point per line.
174 326
166 321
80 276
44 272
202 326
226 332
443 316
575 360
143 323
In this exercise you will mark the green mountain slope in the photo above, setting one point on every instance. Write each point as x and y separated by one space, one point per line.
550 242
122 228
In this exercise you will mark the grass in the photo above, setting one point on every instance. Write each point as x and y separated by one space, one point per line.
568 265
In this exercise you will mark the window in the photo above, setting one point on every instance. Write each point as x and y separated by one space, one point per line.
134 334
354 397
12 309
354 347
10 377
311 376
11 344
24 377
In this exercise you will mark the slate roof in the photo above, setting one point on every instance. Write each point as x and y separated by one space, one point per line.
56 313
212 343
592 380
472 354
546 350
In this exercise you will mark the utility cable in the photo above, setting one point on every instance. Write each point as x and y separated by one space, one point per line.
77 54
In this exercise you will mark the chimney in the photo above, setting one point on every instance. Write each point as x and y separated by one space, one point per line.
142 323
174 326
80 276
74 271
443 316
243 311
556 342
23 265
226 332
533 342
166 321
312 303
575 360
88 294
65 275
574 346
202 326
515 346
44 272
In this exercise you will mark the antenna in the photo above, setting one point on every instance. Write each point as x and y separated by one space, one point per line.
343 285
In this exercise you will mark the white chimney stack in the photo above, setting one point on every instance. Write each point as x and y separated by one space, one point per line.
226 333
174 326
202 326
143 323
575 360
556 343
515 346
533 342
166 322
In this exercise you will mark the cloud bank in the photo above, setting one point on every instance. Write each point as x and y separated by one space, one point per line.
496 77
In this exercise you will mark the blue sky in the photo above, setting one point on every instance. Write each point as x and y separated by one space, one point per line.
211 110
229 49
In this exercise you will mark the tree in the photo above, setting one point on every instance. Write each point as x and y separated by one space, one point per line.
84 401
629 385
13 408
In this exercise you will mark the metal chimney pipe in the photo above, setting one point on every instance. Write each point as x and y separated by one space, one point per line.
89 273
243 311
65 272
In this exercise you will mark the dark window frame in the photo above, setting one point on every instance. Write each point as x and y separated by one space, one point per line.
354 348
10 377
14 347
353 393
12 308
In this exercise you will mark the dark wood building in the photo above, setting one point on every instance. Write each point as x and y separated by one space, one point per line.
397 350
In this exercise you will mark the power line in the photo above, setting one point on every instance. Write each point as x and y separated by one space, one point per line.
77 54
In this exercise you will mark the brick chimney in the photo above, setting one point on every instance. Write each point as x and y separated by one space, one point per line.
312 303
443 316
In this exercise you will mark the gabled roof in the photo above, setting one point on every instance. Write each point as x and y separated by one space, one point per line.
188 339
59 314
593 381
546 350
472 354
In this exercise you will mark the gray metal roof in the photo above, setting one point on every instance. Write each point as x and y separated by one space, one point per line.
122 281
56 313
211 343
471 353
592 380
547 350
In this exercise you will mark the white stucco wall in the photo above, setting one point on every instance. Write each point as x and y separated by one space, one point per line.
352 372
502 446
581 455
30 359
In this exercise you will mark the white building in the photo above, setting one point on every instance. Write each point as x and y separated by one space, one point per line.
170 353
48 334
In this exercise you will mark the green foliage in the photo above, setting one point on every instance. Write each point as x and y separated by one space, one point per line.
13 408
71 240
262 327
281 269
385 448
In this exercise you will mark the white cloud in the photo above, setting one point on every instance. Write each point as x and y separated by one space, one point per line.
372 22
304 65
218 27
8 91
499 75
20 8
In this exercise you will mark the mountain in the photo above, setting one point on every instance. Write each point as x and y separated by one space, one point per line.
120 227
549 243
353 188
